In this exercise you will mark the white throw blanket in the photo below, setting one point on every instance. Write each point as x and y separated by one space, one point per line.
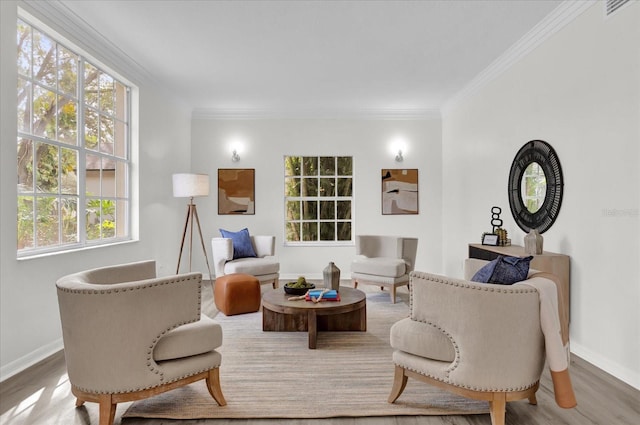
556 336
557 351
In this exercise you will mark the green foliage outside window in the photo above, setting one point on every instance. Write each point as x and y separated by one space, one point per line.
318 198
61 200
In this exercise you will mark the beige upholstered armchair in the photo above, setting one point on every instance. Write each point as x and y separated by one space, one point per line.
482 341
264 266
129 335
385 261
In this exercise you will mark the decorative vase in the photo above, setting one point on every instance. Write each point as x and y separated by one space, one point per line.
331 275
533 242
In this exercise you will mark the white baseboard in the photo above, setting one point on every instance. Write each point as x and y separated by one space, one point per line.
24 362
620 372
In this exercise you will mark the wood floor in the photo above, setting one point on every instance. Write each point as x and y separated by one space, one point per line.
41 395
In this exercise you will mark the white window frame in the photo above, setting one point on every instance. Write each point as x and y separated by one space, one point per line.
319 198
129 159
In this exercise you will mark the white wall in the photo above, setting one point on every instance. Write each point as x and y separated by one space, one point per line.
268 141
579 91
29 318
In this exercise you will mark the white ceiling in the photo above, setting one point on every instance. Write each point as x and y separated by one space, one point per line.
313 56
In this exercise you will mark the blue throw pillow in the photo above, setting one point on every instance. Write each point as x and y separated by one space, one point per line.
242 247
484 274
504 270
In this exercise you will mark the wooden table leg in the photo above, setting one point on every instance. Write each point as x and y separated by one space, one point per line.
363 318
312 326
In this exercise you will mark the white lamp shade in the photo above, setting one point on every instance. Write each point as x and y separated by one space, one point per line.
190 185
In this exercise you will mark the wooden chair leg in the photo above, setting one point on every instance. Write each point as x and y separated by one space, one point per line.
79 402
392 293
497 408
107 409
532 399
213 385
355 283
399 384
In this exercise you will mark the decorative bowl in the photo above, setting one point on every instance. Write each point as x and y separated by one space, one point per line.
298 291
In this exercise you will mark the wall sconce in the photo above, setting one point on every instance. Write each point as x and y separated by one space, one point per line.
398 147
236 146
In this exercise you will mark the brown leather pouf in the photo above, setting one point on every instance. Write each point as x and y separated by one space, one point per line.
237 293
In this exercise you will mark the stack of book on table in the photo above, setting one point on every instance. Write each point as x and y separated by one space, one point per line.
331 295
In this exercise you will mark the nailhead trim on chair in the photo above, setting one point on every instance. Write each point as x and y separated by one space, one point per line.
507 289
109 291
86 390
526 387
456 362
151 364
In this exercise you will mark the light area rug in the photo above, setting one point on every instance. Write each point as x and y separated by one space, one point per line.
275 375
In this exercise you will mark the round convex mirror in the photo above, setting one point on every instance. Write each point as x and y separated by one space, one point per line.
535 186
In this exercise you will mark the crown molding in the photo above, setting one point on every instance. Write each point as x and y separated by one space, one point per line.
315 113
58 17
560 17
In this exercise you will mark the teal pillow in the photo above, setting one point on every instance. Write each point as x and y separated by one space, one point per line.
242 246
504 270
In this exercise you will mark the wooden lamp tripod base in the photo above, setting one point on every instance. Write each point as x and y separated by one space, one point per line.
192 214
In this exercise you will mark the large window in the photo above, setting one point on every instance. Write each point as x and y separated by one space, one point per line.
73 148
318 199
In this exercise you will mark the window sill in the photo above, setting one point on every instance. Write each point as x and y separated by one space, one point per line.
37 255
320 244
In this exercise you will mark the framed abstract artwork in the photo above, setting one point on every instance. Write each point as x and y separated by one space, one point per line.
236 191
399 191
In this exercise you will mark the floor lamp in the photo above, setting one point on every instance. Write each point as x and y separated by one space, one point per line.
191 186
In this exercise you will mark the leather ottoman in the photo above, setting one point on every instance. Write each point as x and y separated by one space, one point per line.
237 293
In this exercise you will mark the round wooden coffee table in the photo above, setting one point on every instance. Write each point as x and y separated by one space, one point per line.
281 315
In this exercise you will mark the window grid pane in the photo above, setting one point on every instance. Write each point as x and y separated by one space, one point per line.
24 105
318 205
44 56
25 166
26 211
24 49
73 133
309 166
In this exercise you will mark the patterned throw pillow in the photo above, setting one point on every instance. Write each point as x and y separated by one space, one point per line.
242 246
504 270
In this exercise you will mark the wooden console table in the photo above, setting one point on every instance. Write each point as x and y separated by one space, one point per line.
550 262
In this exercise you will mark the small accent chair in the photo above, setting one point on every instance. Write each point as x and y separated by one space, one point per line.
265 267
481 341
385 261
130 335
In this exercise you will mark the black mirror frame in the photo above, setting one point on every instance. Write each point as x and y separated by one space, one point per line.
541 152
